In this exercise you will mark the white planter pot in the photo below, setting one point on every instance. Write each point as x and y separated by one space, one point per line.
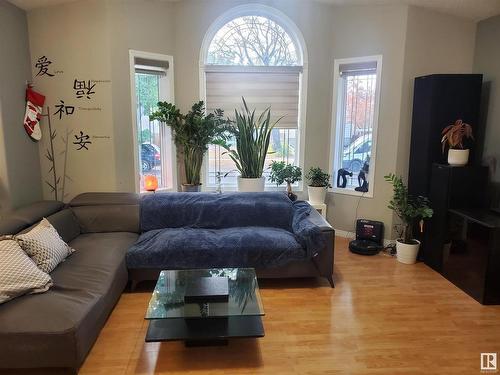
316 194
407 253
458 157
249 185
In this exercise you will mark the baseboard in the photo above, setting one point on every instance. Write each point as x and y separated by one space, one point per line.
351 235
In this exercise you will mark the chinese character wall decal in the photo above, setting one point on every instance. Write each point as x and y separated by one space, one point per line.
42 65
83 88
82 141
62 109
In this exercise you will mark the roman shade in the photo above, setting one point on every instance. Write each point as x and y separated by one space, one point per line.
262 87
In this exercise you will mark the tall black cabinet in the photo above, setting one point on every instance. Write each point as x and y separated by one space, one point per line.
439 100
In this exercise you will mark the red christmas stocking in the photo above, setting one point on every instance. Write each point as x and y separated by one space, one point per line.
34 104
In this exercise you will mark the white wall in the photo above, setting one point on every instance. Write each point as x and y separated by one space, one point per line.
144 26
73 36
487 62
96 46
363 31
100 33
435 43
20 182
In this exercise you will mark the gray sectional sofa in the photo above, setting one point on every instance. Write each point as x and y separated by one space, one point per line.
57 329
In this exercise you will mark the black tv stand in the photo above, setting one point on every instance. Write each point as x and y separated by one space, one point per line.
471 257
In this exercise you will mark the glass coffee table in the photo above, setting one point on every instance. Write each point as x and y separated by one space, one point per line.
205 323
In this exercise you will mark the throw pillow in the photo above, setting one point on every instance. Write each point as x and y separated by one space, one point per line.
18 273
44 245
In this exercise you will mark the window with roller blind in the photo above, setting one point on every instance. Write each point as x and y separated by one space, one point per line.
255 57
354 125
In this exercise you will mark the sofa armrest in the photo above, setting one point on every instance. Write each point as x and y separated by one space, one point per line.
324 259
316 218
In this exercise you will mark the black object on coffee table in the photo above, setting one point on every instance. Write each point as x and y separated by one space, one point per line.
174 317
207 289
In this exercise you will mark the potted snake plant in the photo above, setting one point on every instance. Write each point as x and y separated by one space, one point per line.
252 134
193 133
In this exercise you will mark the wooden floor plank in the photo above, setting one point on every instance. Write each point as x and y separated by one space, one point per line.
383 317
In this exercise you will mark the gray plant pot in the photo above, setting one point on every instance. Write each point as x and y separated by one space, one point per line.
187 188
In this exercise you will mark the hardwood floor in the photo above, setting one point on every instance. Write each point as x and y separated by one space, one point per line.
383 317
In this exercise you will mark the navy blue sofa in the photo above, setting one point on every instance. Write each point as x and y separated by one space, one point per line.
266 231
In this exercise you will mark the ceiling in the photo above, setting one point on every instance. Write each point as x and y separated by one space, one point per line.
471 9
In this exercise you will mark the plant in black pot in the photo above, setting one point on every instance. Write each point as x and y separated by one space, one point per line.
318 184
410 210
193 133
282 172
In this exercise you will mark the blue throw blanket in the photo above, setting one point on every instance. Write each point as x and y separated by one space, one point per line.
204 230
212 210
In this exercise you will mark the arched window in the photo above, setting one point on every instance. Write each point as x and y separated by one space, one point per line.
257 53
252 41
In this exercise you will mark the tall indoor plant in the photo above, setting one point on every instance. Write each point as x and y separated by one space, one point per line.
252 135
282 172
453 137
318 184
193 133
410 210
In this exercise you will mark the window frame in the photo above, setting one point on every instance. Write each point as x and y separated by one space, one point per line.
133 54
289 26
337 136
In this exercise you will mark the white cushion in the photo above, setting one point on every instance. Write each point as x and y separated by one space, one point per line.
44 245
18 273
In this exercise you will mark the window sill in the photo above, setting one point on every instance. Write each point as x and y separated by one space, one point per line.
161 190
209 189
352 192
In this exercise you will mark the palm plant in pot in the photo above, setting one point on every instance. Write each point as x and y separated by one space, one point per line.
282 172
410 210
318 184
193 133
453 137
252 135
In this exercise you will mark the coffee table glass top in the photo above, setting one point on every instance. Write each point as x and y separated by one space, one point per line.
167 300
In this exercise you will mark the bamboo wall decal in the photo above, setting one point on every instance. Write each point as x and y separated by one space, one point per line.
51 157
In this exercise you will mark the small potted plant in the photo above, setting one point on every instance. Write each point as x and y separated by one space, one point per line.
252 135
410 210
193 133
319 182
453 137
282 172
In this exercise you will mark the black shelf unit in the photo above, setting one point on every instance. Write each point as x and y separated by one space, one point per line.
439 100
450 188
